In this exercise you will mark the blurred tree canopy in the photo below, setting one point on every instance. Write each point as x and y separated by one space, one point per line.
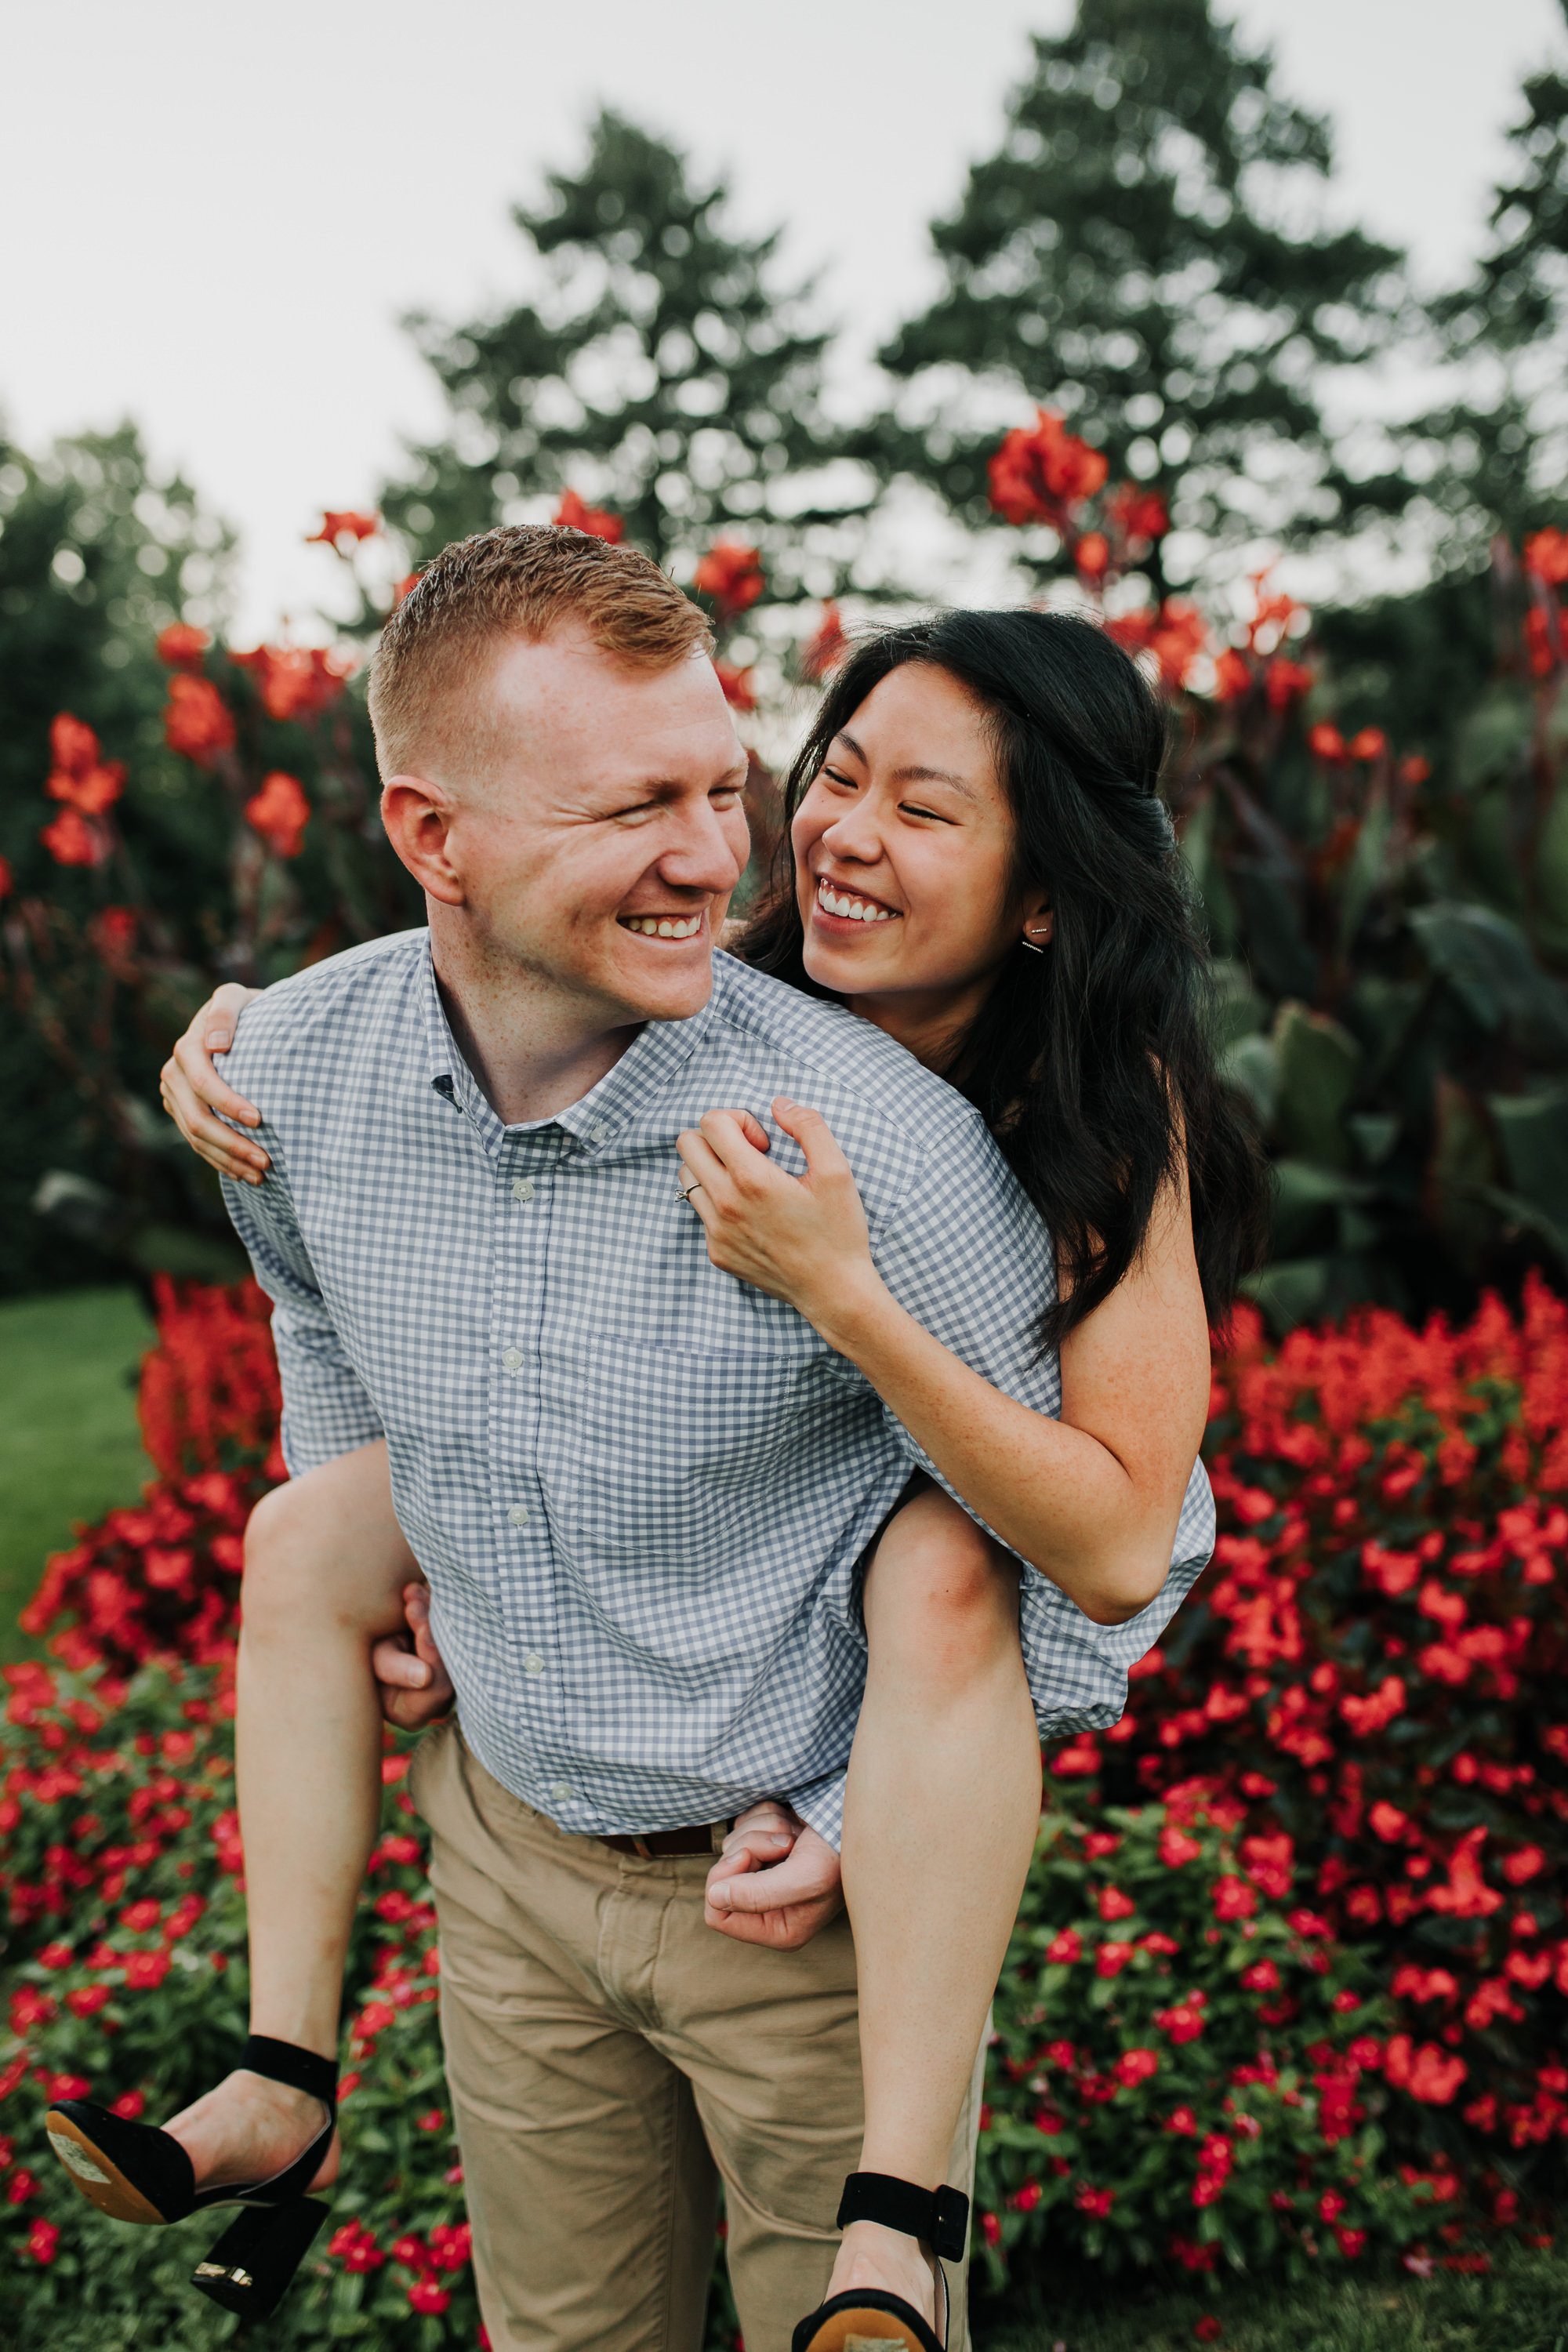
655 368
1129 256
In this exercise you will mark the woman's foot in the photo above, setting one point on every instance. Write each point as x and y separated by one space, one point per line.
871 2256
248 2128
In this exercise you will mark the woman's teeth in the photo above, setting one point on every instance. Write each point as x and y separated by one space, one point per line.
664 927
856 910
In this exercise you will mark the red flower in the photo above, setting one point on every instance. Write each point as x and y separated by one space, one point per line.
1135 2066
1546 556
180 645
79 775
4 877
1183 2024
296 681
279 812
1039 473
598 521
827 649
1140 513
1350 2243
86 2000
1098 2201
1176 1847
428 2295
130 2104
1114 1905
1524 1865
1111 1958
1369 744
144 1971
1207 2329
1284 682
1079 1757
336 526
1326 742
42 2239
1428 2073
736 686
197 722
1064 1948
1092 555
732 575
1234 1898
1261 1977
1232 675
75 840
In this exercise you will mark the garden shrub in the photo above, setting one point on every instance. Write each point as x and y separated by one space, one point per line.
1287 1984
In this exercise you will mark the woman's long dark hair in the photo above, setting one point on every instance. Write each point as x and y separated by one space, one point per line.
1094 1062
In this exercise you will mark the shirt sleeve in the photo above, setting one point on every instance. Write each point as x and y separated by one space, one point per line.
967 1255
821 1807
327 1410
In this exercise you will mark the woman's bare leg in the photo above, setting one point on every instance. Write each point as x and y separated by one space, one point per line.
939 1818
325 1565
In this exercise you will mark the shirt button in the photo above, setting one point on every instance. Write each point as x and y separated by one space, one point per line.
598 1132
559 1790
511 1359
521 1189
518 1515
534 1664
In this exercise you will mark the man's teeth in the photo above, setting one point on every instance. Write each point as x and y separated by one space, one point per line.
665 926
857 911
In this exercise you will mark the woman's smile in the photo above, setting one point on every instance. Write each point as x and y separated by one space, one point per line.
840 909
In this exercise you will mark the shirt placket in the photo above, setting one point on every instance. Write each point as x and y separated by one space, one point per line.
526 1173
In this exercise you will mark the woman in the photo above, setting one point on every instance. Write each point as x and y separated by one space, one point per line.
981 867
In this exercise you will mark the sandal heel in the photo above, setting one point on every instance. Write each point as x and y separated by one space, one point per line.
249 2269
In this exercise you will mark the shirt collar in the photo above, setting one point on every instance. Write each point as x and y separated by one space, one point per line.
659 1051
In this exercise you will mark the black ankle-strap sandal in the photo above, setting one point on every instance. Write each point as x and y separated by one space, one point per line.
939 2218
135 2173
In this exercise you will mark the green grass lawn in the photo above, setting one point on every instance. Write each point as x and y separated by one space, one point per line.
1522 2307
69 1447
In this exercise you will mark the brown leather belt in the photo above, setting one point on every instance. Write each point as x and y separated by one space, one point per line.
659 1845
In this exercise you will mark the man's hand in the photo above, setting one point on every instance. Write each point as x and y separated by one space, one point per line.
415 1685
776 1883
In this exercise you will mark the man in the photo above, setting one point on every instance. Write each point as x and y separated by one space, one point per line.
638 1489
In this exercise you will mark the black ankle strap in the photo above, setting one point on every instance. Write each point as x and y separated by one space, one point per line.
285 2061
940 2216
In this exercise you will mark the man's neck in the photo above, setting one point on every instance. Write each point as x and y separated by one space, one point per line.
532 1053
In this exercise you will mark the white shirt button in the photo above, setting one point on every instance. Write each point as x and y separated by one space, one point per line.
521 1189
559 1790
518 1515
511 1358
534 1664
598 1132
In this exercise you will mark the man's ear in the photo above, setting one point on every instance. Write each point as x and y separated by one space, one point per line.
418 816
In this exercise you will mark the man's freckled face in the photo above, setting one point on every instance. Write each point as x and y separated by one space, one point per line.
903 844
601 853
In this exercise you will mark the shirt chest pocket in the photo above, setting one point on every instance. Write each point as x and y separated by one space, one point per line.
662 1457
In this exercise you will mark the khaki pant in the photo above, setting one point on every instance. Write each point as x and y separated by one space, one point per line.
611 2061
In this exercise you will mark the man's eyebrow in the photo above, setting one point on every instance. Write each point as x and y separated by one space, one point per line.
911 775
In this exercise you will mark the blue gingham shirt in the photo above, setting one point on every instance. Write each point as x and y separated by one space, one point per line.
638 1487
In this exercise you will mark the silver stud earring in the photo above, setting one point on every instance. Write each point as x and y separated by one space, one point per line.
1028 942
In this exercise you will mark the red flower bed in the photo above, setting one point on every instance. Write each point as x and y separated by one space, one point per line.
1290 1975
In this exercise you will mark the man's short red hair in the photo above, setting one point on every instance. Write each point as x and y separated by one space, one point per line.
428 674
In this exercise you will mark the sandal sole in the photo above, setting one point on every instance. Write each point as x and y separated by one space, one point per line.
96 2176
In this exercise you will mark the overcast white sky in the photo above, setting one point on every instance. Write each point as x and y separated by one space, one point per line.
214 216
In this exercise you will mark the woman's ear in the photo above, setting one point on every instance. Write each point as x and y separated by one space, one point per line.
1038 922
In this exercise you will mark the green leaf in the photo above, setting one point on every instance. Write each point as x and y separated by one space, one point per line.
1319 1063
1493 736
1487 962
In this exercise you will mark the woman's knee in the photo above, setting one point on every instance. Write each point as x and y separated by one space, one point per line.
938 1584
315 1555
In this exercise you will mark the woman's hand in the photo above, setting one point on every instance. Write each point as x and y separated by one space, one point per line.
411 1676
192 1089
801 1239
776 1883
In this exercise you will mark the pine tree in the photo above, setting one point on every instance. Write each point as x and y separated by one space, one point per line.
1121 258
653 369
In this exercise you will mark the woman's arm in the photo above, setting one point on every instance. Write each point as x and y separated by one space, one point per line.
1091 1500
